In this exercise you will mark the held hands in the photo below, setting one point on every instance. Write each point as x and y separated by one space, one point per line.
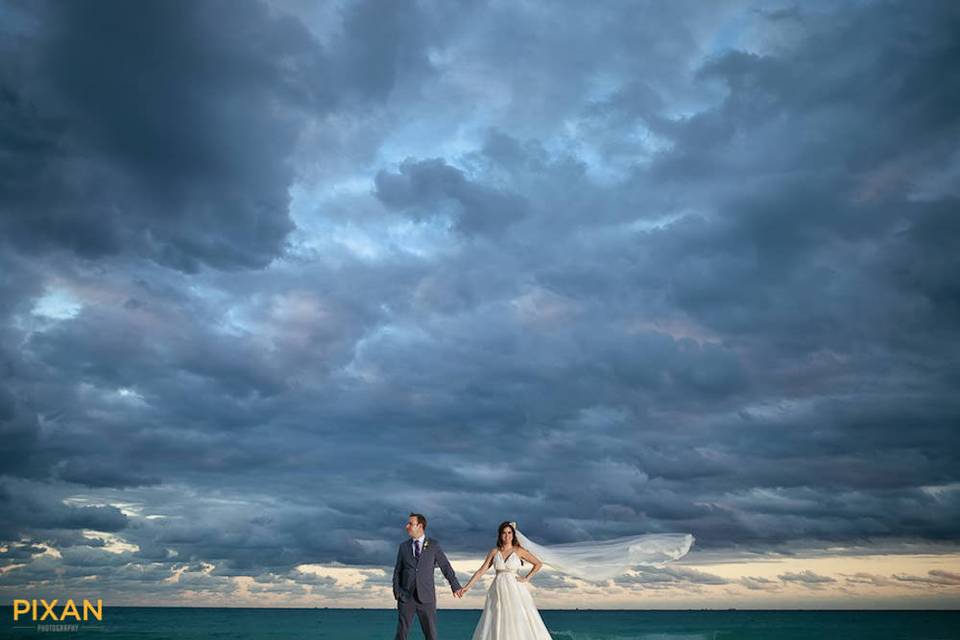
460 592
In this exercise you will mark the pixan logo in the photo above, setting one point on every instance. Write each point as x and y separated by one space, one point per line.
49 617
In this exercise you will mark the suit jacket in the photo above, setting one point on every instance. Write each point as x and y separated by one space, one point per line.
414 579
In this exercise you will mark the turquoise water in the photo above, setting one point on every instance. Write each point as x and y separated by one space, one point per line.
150 623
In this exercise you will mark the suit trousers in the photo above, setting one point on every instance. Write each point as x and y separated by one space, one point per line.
425 611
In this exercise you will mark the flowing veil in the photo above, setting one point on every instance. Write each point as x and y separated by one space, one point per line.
597 561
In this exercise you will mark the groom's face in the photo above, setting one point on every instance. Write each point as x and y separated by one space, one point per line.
414 528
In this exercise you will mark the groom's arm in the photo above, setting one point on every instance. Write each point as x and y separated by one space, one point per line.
396 575
440 560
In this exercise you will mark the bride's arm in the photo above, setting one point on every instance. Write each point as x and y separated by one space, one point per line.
483 569
532 559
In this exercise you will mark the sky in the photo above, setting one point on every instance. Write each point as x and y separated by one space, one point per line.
275 274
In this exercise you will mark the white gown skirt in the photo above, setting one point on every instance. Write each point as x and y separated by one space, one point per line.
509 612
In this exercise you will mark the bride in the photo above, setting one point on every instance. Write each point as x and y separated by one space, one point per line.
509 612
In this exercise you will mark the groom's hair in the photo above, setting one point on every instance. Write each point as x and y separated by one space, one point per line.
422 519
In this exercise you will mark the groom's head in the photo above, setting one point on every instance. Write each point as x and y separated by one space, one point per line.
416 525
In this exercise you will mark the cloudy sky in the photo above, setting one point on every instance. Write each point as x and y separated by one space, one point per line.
275 274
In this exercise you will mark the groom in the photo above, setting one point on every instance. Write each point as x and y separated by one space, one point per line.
413 579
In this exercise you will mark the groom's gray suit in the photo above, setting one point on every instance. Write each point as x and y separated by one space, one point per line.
414 589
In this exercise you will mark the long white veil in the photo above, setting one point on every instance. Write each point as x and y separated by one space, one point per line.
597 561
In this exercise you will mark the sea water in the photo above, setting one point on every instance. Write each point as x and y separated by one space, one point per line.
155 623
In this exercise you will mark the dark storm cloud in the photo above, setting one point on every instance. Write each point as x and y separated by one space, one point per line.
33 511
21 552
422 187
657 284
155 129
166 129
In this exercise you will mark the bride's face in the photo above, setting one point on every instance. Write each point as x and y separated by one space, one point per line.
506 537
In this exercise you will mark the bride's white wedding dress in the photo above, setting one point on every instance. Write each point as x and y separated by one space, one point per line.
509 612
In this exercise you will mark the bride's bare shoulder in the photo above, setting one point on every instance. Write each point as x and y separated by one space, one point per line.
526 555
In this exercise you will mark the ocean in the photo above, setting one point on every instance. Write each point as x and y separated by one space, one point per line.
156 623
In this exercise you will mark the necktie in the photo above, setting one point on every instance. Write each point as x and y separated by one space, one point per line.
416 549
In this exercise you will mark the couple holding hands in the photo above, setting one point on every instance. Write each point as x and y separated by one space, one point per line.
509 610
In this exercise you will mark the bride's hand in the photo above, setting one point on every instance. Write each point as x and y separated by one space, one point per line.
521 578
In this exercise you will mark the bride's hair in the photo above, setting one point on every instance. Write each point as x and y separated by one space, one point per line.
504 525
516 541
